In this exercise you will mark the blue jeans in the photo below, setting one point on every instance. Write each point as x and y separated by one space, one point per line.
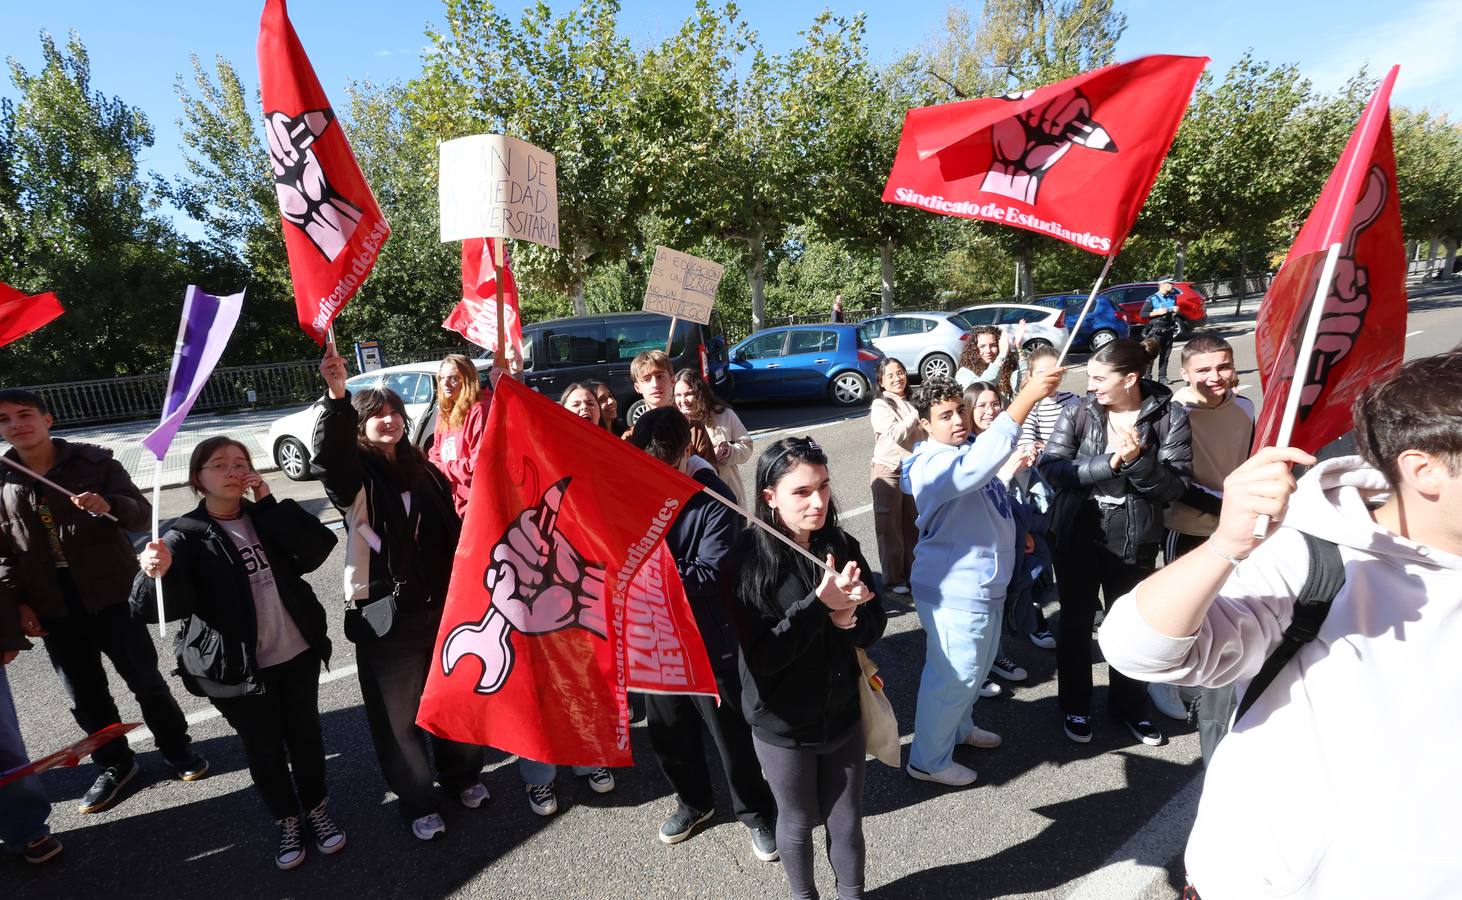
23 804
534 772
960 647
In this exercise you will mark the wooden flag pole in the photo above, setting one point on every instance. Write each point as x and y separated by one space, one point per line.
1086 307
46 481
498 261
671 339
1302 363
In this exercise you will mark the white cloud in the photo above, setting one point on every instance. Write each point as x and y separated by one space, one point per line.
1423 39
383 52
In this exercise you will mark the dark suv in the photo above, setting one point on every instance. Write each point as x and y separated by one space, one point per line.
559 352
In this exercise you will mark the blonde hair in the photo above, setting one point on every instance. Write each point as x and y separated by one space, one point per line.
454 412
647 362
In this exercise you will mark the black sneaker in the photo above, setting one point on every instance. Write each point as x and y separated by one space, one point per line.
191 767
43 848
291 843
103 792
764 843
681 823
1078 728
1007 669
328 838
1146 732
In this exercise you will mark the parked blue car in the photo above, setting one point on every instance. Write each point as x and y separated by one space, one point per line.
805 362
1102 325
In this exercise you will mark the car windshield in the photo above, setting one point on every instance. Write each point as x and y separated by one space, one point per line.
361 382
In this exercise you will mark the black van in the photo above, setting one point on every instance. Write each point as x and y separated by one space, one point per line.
559 352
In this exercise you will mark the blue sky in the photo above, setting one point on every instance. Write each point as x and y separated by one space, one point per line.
137 50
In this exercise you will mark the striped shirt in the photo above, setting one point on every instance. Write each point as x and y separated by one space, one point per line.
1042 420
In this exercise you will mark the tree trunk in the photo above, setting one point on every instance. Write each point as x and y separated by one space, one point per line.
1027 260
576 289
1451 258
885 265
1243 280
1180 259
756 248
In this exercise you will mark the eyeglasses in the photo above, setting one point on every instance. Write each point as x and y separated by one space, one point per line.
987 406
230 468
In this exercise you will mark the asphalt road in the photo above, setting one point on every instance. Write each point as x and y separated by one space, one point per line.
1047 818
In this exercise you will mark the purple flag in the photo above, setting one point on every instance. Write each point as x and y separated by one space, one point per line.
207 323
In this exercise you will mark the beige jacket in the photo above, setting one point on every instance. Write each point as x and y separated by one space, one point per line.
1221 438
896 430
726 427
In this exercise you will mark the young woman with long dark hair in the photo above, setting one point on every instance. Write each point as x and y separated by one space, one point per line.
402 532
726 439
896 430
579 399
1118 456
799 628
253 636
609 418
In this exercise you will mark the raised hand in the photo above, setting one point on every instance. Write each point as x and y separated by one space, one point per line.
332 369
1259 487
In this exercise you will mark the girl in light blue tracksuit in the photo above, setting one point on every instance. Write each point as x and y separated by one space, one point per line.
962 565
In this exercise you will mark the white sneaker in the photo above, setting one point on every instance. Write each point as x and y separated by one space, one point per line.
1166 700
474 796
428 827
991 689
601 780
954 775
1006 668
541 799
985 740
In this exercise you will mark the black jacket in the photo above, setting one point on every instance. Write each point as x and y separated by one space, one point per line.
702 535
99 553
1078 463
799 672
207 587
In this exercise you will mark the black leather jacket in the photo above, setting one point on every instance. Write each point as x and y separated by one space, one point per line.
1078 464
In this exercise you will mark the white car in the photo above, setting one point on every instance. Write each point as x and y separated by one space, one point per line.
927 343
292 438
1040 322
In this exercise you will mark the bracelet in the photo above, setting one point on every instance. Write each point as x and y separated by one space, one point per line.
850 625
1231 560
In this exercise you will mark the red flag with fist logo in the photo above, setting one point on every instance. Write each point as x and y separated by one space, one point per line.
1073 160
1362 329
333 229
563 594
475 317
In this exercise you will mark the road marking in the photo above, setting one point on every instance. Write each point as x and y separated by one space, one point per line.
857 511
1130 871
803 429
143 736
1410 333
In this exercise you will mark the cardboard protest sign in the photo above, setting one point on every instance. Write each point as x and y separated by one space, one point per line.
683 286
492 185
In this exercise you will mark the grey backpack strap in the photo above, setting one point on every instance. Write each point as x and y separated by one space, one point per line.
1322 583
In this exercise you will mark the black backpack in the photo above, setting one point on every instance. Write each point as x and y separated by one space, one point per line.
1311 606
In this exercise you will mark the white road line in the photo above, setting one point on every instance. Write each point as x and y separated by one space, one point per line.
856 511
1130 871
143 736
800 430
1410 333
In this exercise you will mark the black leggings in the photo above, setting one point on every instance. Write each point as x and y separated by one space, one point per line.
818 787
280 728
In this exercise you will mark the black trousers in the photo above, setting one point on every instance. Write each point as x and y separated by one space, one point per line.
76 642
1164 338
280 729
674 722
392 673
1087 573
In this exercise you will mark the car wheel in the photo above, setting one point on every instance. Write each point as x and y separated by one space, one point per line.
1034 344
1102 338
293 459
936 365
848 389
632 415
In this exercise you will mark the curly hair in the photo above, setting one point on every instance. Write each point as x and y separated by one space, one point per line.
939 389
969 358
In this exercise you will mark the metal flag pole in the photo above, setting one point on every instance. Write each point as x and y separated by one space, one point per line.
746 514
1302 363
1086 307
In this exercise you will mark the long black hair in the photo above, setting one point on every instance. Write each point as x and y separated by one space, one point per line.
772 561
407 466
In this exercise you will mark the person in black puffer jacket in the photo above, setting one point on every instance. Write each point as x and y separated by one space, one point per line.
253 635
798 628
1118 457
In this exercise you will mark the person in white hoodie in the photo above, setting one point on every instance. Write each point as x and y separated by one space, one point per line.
1340 780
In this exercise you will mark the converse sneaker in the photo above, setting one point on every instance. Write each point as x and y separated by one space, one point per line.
1166 700
684 821
328 838
991 689
601 780
43 848
428 827
764 843
1078 728
953 775
1044 639
474 795
103 792
291 843
979 737
1007 669
541 799
1146 732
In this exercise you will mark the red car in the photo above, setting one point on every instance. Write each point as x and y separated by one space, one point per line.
1192 305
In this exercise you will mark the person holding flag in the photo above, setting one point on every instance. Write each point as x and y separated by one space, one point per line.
253 636
81 614
402 532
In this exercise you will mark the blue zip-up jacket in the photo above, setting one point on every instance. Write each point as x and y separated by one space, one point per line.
966 549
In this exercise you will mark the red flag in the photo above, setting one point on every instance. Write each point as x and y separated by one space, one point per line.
333 228
71 755
1073 160
20 314
475 318
562 591
1362 330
